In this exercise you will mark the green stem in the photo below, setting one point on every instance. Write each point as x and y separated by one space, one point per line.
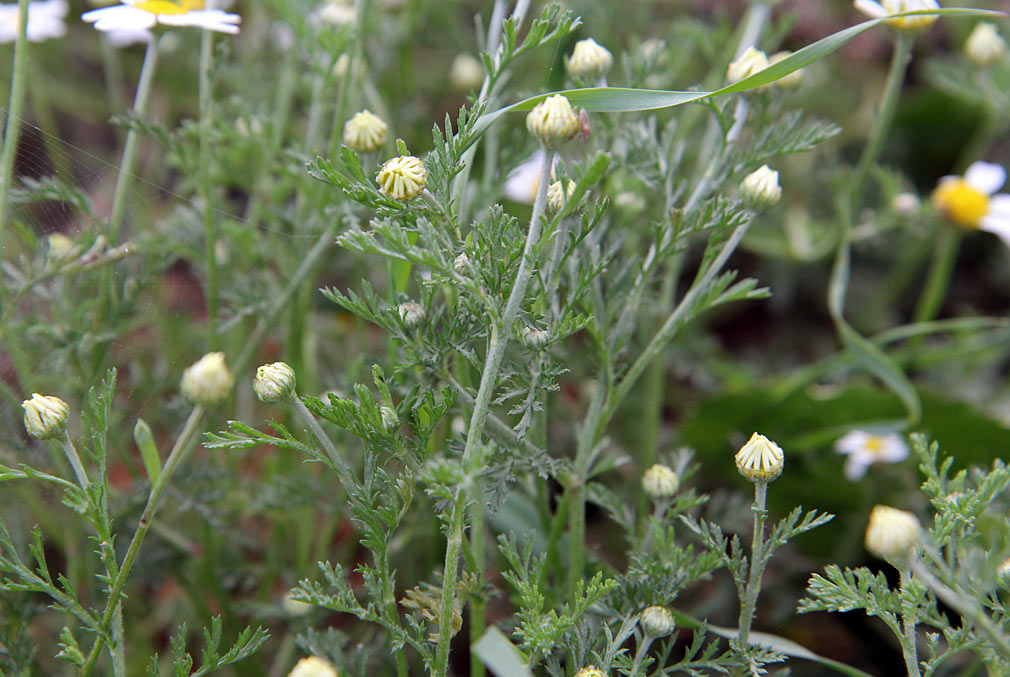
75 461
209 217
14 107
181 450
132 139
640 655
908 638
757 564
498 340
935 290
343 469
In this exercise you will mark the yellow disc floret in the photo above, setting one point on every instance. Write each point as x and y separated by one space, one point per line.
403 178
961 203
168 6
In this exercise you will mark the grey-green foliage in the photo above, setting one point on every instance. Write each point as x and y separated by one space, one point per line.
959 555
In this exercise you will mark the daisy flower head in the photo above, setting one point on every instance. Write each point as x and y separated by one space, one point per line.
45 21
145 14
969 200
877 10
864 449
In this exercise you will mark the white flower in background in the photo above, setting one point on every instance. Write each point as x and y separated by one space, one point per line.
403 178
864 449
750 62
137 15
335 13
522 182
969 202
45 21
207 382
760 460
466 72
589 59
891 534
984 46
45 416
906 204
876 10
313 666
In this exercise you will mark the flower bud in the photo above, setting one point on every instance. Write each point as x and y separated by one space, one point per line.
535 338
390 421
656 621
791 81
461 264
208 381
293 607
403 178
553 121
906 204
466 72
984 46
891 533
60 247
556 198
589 59
660 482
313 666
760 188
411 314
274 383
876 10
760 460
750 62
45 416
1003 574
590 671
365 132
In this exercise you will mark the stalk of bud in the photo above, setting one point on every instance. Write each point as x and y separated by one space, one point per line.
207 382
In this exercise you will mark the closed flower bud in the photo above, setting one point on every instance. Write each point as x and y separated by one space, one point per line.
461 264
274 383
984 46
403 178
760 188
553 121
891 533
293 607
411 314
466 72
589 59
313 666
45 416
660 482
208 381
365 132
1003 574
60 247
791 81
535 338
760 460
906 204
750 62
556 198
390 421
590 671
657 621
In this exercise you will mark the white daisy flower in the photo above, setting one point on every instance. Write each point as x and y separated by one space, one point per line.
145 14
969 202
876 10
864 449
45 20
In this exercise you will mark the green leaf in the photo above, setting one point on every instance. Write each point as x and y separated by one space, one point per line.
501 656
148 450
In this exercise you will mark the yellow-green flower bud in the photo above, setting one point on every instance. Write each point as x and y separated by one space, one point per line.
207 382
590 671
553 121
365 132
535 338
657 621
275 383
589 59
390 421
791 81
984 46
760 460
660 482
556 198
313 666
750 62
760 188
61 247
411 314
403 178
891 534
45 416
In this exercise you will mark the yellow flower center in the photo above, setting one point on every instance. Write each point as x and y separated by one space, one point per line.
961 203
874 445
168 6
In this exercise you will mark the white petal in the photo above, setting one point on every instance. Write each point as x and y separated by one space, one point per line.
521 184
125 37
999 205
986 177
7 32
855 467
997 224
894 449
210 19
853 442
120 17
870 8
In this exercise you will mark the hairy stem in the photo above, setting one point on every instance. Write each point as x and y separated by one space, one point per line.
75 461
757 564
